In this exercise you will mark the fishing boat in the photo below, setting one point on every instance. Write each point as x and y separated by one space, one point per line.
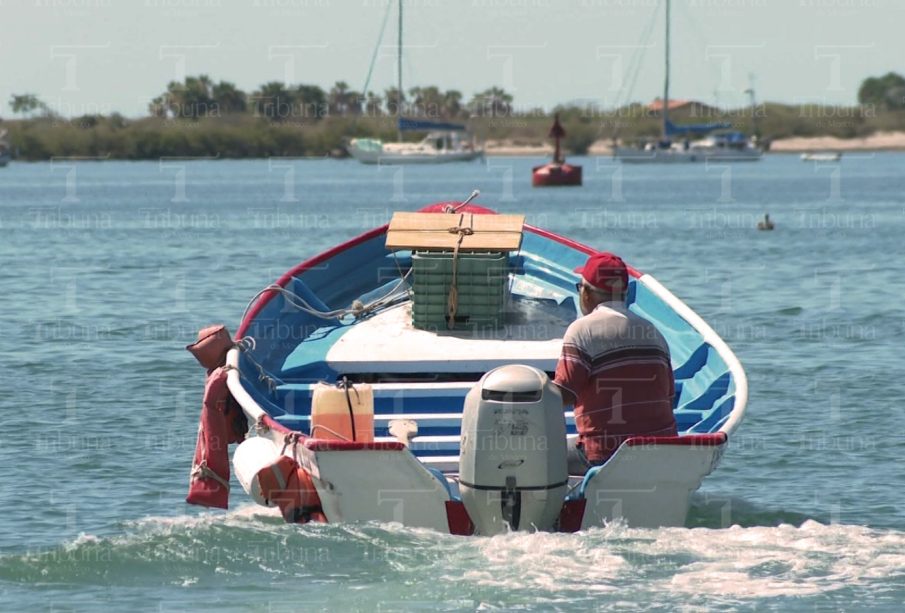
716 141
405 376
445 141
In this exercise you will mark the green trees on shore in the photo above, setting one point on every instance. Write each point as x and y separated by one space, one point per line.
200 117
199 96
886 92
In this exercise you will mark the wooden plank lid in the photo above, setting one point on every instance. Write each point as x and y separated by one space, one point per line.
441 231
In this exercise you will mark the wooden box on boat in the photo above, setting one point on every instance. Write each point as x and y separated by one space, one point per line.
464 251
439 232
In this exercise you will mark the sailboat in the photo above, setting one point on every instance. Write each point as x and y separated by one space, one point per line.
675 144
444 142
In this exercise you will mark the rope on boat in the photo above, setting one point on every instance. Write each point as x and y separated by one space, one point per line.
345 384
292 438
331 431
203 471
452 301
357 309
246 345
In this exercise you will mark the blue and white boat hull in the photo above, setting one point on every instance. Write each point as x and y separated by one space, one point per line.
424 376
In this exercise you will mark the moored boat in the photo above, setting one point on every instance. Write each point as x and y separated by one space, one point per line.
368 377
715 141
445 142
821 156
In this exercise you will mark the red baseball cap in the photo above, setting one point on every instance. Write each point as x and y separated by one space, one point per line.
603 270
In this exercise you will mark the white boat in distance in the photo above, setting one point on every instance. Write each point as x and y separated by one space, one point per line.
821 156
725 146
445 143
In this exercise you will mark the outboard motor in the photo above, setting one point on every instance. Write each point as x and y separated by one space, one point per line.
512 467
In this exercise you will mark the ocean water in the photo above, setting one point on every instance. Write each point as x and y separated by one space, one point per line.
109 268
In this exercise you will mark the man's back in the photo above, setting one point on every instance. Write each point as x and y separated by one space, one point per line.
617 365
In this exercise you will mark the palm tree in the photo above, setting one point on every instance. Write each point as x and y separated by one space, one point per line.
373 102
337 98
159 106
228 98
395 101
191 99
312 100
452 103
274 101
494 102
427 101
25 103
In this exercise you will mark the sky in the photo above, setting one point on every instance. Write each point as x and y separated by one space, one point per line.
100 56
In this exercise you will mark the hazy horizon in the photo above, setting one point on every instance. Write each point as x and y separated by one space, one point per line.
98 56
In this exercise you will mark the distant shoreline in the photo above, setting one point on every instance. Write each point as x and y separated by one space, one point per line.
881 141
241 136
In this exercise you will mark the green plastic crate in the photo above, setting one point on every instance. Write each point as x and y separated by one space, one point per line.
482 284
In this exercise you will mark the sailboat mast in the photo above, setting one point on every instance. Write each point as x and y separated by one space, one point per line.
399 76
666 80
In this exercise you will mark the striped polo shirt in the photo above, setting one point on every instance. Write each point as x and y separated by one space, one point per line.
616 363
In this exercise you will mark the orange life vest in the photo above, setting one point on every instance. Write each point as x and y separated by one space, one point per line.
289 486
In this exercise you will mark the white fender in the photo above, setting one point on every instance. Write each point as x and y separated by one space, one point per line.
250 458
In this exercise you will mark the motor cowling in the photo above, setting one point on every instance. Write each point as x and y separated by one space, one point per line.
512 467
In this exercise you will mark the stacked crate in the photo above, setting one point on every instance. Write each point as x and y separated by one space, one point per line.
461 258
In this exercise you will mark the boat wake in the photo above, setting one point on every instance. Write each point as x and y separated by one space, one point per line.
390 565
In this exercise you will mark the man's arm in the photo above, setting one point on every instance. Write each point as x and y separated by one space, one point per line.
572 372
568 398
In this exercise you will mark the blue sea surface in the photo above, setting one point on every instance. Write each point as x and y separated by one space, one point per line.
109 268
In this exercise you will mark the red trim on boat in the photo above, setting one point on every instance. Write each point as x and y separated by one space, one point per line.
713 439
571 515
457 518
319 444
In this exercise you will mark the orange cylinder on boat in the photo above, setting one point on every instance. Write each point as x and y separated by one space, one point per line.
343 413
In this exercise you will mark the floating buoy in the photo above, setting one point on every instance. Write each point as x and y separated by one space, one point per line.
558 172
765 223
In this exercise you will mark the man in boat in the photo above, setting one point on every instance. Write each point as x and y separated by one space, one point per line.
614 369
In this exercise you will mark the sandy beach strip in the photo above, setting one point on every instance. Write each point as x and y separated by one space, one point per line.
881 141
